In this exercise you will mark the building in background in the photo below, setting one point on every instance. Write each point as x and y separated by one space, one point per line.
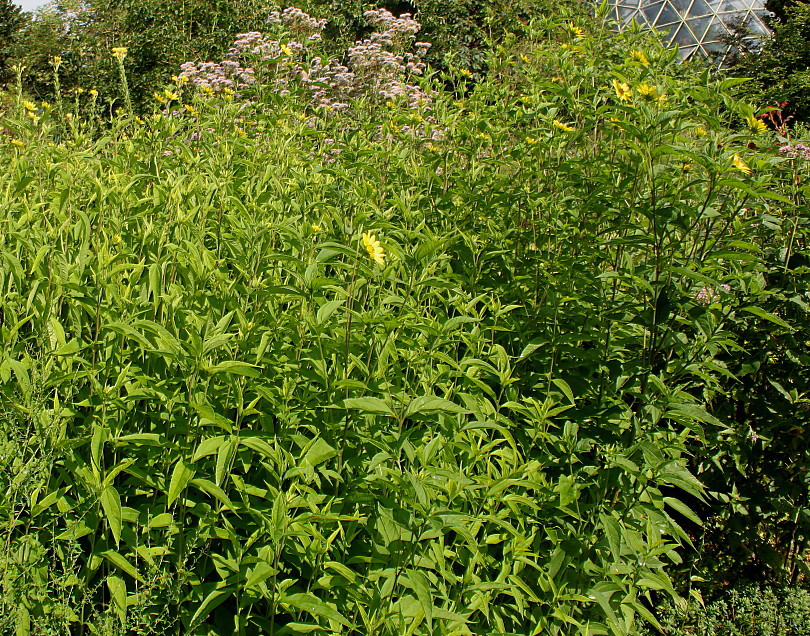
699 27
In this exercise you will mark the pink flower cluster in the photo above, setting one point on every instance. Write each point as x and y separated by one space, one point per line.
229 74
797 151
378 67
298 23
706 295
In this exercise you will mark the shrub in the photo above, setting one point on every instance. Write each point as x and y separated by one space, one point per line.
747 610
275 370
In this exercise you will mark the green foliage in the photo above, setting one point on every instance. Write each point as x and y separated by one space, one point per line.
462 31
780 68
748 610
759 465
221 416
11 21
159 36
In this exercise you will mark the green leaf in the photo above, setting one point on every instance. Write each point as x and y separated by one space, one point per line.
214 599
318 452
145 439
215 491
261 572
433 404
313 605
181 475
121 563
111 504
118 595
224 456
368 405
23 621
682 508
207 447
328 309
766 315
419 584
234 367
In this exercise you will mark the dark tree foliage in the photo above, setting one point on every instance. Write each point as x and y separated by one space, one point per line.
11 22
460 30
158 35
781 69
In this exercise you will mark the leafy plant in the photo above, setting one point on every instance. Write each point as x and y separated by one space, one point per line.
450 367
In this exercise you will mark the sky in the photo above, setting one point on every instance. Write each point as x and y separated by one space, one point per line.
29 5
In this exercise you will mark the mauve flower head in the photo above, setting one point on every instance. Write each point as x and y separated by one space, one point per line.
706 295
797 151
379 65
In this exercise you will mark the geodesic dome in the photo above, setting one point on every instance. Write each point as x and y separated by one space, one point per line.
698 27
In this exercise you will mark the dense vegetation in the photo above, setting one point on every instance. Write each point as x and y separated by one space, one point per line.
346 347
779 67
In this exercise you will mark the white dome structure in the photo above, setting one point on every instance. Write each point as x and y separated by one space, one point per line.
698 27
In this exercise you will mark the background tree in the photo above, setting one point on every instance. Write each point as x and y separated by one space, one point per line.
11 21
781 68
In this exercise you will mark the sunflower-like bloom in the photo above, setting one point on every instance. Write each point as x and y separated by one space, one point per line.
577 32
757 126
562 126
374 249
647 91
119 52
623 91
30 106
741 165
640 57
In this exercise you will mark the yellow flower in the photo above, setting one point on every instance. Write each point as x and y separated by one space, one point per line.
56 61
229 91
757 126
640 57
116 239
316 228
78 90
45 104
240 132
374 249
68 115
160 99
662 99
170 95
30 106
700 131
531 140
741 165
191 109
647 91
119 52
563 127
577 32
623 91
525 58
17 142
286 49
93 92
